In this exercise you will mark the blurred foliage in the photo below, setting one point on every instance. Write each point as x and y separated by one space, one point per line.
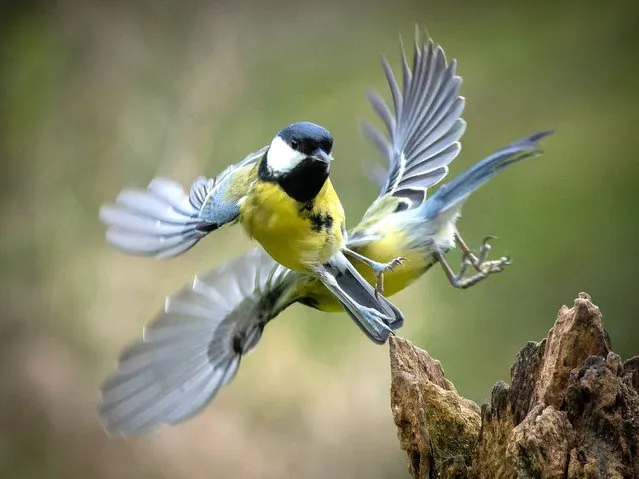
97 95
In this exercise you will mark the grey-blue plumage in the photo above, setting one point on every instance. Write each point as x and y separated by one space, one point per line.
424 131
451 195
195 345
164 221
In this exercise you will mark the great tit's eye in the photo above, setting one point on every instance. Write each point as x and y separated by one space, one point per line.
295 143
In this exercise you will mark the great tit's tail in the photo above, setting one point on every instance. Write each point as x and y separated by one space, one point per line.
193 348
449 198
375 315
161 221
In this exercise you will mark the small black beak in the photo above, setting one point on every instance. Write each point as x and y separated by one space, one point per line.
321 155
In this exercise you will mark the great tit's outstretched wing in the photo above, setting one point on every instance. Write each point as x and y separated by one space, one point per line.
164 221
423 132
194 347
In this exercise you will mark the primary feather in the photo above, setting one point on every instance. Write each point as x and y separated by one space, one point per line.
194 346
424 131
164 221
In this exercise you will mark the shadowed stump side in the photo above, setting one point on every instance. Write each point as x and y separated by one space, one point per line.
571 411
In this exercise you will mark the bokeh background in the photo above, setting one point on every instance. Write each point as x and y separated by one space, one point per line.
98 95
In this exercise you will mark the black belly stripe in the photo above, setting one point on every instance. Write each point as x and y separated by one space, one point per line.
321 221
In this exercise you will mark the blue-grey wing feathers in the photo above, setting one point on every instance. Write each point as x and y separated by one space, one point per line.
164 221
424 131
452 195
194 347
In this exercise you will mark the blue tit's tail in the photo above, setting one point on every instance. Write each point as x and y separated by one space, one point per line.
375 315
449 198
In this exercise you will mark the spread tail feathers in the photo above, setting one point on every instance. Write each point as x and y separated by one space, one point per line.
375 315
450 197
161 221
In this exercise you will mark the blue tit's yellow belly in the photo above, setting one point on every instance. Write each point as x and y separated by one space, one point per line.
393 244
297 235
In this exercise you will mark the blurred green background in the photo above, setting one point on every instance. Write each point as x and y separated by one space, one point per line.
97 95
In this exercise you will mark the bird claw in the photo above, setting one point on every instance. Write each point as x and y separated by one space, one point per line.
480 263
488 238
399 261
384 267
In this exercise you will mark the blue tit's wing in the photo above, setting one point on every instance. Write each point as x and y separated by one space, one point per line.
423 132
164 221
448 199
194 347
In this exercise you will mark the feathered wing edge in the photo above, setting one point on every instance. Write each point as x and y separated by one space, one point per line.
424 131
451 196
164 221
194 347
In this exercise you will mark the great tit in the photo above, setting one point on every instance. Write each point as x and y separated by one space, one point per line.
194 347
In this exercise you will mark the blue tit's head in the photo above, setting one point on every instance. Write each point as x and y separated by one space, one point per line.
299 159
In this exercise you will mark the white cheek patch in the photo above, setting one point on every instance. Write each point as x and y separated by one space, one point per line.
281 158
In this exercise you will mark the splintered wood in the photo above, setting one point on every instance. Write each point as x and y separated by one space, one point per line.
571 411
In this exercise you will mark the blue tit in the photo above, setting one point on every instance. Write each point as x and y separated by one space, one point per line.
194 347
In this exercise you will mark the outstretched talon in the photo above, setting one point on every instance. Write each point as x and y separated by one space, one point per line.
381 268
480 263
483 251
378 268
469 256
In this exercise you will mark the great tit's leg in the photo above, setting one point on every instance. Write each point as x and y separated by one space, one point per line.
378 268
485 269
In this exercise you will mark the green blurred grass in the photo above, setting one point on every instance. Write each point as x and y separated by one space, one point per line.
99 96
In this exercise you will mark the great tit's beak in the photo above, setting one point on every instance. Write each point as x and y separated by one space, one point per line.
321 155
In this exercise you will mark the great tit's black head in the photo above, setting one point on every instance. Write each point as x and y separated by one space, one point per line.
299 159
298 143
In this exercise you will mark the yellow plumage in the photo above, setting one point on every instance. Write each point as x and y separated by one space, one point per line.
298 236
395 242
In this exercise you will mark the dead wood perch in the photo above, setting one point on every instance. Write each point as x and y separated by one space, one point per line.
571 411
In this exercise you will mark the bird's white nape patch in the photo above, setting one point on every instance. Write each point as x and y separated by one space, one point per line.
281 158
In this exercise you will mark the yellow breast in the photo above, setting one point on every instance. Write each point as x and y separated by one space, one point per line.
296 235
393 244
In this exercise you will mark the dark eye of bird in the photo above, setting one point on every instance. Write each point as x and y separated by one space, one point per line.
295 143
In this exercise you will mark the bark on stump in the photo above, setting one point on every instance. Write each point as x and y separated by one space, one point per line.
571 411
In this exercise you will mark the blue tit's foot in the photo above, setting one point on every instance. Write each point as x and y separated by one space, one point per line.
480 263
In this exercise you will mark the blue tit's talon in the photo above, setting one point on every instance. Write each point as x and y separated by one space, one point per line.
464 267
483 267
484 250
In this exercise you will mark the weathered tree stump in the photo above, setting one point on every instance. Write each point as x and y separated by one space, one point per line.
571 411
